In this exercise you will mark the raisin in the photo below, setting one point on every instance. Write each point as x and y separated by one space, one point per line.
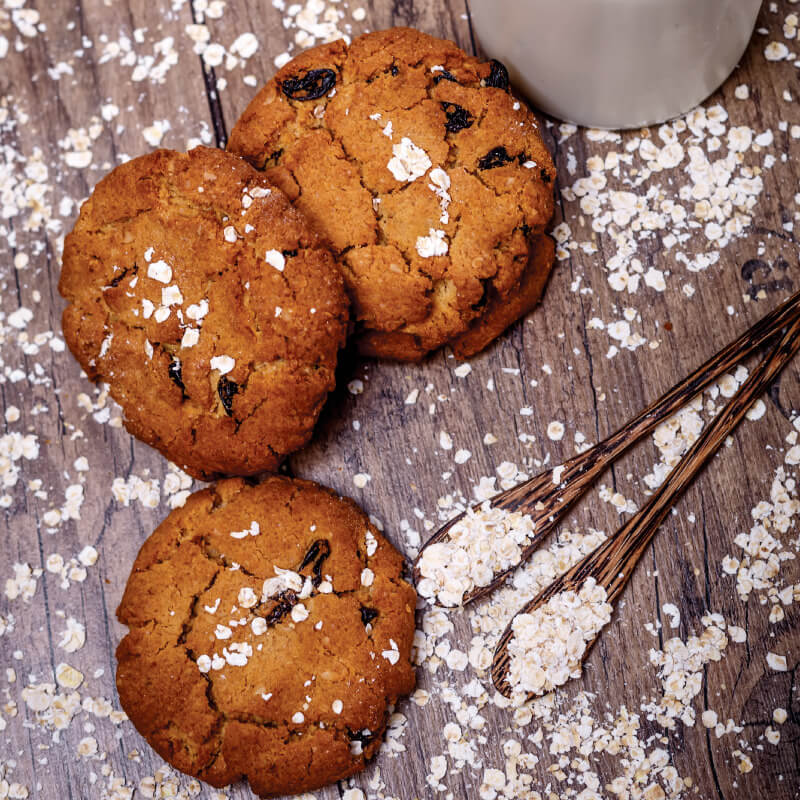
498 77
226 389
495 158
284 603
444 75
274 157
316 554
365 735
458 118
175 374
118 280
545 175
395 70
313 85
368 614
289 253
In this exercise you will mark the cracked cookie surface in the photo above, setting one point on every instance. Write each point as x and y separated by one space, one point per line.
270 631
427 177
212 310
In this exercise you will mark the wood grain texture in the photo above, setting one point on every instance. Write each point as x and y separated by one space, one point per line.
398 444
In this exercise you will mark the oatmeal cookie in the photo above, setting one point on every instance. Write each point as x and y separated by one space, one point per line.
201 296
270 631
425 174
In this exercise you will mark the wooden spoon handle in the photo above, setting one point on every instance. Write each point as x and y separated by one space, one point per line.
547 499
582 470
548 496
633 538
613 562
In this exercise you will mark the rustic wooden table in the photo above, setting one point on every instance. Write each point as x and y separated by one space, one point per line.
677 240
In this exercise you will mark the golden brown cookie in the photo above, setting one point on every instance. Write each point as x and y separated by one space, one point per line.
201 296
270 632
421 169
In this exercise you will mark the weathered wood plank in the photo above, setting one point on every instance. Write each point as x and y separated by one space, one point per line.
398 444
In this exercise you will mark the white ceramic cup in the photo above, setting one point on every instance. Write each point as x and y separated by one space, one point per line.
616 63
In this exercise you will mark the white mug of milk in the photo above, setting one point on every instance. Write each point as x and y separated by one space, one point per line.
616 63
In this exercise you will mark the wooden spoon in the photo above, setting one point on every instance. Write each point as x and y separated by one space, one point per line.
613 562
548 496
